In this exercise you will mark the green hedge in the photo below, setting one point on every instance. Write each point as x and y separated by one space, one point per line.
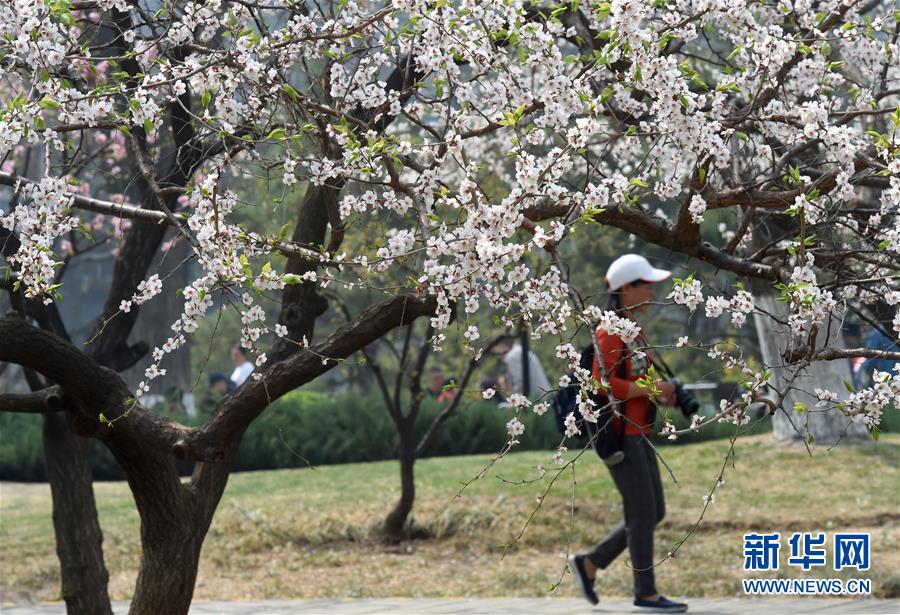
321 429
305 427
21 449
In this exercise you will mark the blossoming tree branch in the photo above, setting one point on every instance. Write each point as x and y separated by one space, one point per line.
470 134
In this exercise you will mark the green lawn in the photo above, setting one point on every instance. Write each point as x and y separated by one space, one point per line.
305 533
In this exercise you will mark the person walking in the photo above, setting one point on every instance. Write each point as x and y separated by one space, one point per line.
630 280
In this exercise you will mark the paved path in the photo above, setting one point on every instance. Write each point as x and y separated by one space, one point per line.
536 606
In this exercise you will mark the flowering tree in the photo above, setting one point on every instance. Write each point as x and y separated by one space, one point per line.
447 140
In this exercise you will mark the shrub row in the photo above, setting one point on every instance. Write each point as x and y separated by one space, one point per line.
314 428
304 428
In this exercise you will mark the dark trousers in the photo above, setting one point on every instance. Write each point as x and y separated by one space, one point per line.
638 480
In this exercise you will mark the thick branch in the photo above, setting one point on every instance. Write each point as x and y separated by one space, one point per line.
237 411
45 400
781 199
832 354
656 231
97 388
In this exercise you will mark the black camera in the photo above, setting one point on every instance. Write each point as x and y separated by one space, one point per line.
683 399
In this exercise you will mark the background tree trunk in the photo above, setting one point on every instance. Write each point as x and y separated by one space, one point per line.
155 322
78 536
395 522
825 427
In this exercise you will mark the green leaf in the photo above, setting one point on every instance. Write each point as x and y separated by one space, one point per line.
648 381
847 385
278 134
509 119
799 406
606 93
292 279
288 89
895 118
245 265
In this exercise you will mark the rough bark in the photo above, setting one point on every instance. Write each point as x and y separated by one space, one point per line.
174 522
78 536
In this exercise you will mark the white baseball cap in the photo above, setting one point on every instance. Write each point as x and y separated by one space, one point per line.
630 268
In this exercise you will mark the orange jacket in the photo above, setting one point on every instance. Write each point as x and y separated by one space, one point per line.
638 410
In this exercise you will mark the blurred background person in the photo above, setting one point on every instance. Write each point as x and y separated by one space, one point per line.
439 386
242 366
510 352
880 338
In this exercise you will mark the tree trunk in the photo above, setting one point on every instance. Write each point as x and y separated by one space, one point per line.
78 536
169 564
175 518
395 522
825 427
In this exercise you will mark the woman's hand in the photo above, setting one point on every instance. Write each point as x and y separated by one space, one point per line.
666 395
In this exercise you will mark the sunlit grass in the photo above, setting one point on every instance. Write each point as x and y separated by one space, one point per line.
309 533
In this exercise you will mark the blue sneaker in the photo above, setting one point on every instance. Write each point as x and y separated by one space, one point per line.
663 605
581 578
